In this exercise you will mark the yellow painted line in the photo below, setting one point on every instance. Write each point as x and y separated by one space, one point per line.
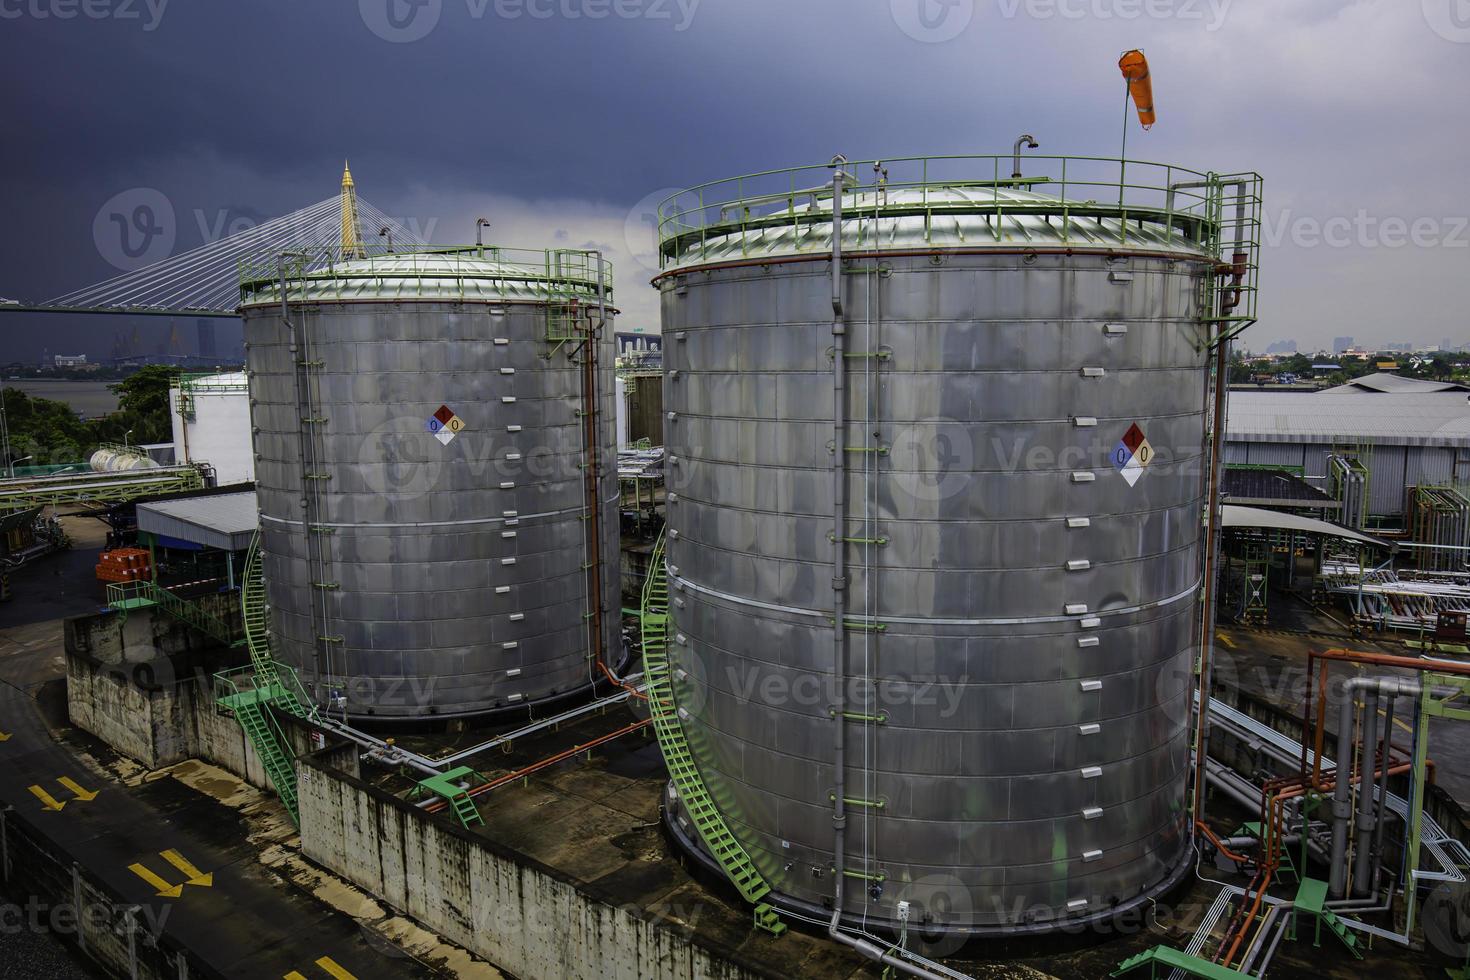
196 877
165 890
293 975
81 794
1225 640
333 970
4 736
47 801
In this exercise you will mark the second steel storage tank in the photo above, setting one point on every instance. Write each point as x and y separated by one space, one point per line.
440 529
934 527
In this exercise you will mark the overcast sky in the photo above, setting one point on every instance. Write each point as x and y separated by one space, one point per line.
561 120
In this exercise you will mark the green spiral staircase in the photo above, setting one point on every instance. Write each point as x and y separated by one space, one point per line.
250 693
721 844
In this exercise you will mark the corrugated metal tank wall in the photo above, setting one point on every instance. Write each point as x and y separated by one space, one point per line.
1024 613
455 571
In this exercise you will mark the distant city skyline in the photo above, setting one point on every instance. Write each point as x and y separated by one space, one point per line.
1290 346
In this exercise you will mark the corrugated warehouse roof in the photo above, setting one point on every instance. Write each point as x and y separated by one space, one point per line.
1271 488
1234 515
1395 385
1434 419
225 521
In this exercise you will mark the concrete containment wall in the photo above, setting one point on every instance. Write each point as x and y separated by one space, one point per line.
144 685
523 916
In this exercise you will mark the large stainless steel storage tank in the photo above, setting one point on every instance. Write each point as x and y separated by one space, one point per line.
423 457
1025 368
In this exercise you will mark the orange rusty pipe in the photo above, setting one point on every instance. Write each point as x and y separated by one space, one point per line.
1361 657
534 767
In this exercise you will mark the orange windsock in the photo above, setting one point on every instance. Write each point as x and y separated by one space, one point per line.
1135 70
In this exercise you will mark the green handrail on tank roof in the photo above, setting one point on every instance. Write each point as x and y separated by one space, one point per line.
552 273
1219 214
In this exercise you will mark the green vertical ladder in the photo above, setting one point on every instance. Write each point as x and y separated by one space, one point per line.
270 686
656 622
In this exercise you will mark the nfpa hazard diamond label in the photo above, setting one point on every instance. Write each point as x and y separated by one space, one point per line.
1132 454
444 425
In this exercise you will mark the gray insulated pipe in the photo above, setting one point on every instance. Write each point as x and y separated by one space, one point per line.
1342 806
1364 842
892 956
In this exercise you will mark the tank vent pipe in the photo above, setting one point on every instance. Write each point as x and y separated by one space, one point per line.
1026 140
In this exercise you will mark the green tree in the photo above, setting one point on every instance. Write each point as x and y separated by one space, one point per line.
142 407
46 431
1240 371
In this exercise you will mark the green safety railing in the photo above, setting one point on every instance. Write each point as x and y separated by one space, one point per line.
127 596
663 706
552 273
97 488
192 383
1219 213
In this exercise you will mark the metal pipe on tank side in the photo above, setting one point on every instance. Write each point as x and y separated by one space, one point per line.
1341 802
297 372
839 551
1364 843
593 473
888 957
1341 795
1214 529
1377 875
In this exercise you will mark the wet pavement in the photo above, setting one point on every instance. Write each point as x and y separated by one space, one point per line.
178 853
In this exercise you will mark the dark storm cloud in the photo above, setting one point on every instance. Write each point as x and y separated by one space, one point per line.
561 116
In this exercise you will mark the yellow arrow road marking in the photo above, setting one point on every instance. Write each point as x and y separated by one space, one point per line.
196 877
4 736
331 966
81 794
165 890
335 971
1225 640
47 801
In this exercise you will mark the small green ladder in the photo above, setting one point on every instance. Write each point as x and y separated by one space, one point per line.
1164 960
656 623
446 786
1311 897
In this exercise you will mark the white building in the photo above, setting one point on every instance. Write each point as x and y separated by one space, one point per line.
211 420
